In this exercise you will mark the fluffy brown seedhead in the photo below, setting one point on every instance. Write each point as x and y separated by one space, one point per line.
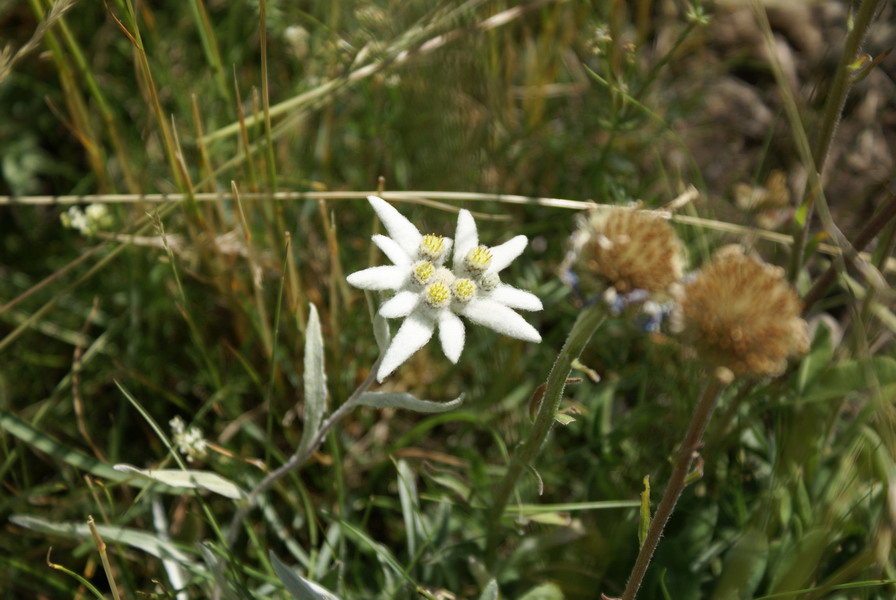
742 314
628 249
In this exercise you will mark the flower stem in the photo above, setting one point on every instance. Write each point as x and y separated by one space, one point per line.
582 330
298 459
686 454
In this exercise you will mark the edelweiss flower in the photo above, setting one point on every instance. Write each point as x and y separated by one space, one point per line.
414 256
432 296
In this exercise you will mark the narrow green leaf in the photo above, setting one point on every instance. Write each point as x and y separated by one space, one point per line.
407 496
800 215
216 570
560 519
450 481
187 479
87 585
365 542
799 562
563 418
531 509
299 587
490 592
818 359
43 442
136 538
547 591
406 401
744 567
850 377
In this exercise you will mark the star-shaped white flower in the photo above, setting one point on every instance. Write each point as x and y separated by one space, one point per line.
433 298
415 257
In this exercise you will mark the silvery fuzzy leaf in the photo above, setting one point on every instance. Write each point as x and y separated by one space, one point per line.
299 587
315 379
136 538
490 592
407 401
380 325
185 478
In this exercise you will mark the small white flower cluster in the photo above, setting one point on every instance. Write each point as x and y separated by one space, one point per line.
429 295
94 218
191 443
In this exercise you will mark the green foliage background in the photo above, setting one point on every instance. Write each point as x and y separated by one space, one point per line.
592 100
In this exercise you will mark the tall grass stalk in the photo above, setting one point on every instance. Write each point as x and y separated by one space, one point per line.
131 30
101 547
833 110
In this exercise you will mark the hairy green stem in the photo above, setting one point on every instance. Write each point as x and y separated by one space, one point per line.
686 454
833 109
299 457
587 322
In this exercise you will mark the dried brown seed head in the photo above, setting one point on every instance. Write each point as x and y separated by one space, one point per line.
628 249
742 314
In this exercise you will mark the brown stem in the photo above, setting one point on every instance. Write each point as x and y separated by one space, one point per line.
686 454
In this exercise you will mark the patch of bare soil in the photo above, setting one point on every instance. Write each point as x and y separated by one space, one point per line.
738 132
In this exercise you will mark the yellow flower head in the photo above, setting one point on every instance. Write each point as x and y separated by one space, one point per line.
742 314
423 271
464 289
478 259
437 295
432 246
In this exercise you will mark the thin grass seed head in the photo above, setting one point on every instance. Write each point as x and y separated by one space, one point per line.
627 249
742 314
